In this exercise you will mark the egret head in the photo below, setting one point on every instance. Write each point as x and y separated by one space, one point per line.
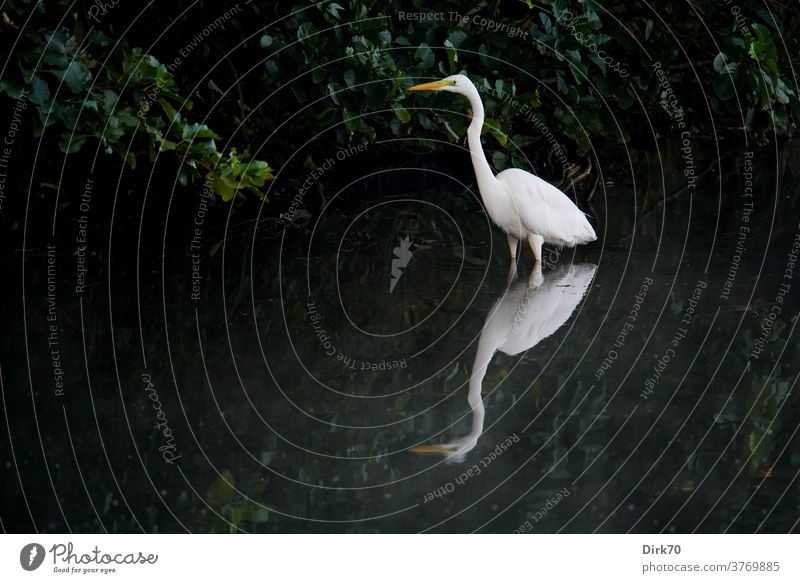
454 83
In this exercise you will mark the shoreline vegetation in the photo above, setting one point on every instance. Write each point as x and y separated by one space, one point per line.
218 101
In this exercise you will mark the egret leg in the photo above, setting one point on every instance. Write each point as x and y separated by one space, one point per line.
512 273
536 278
512 246
536 242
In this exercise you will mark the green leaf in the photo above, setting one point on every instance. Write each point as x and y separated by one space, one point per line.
221 491
333 89
385 36
648 29
562 84
723 87
109 100
402 113
260 515
425 56
317 76
456 38
493 126
197 130
172 115
258 173
204 149
500 160
334 9
69 144
76 76
453 134
719 62
782 92
546 22
452 57
40 93
167 145
425 121
98 37
272 68
11 88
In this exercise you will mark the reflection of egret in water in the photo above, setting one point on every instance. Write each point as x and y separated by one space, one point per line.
527 313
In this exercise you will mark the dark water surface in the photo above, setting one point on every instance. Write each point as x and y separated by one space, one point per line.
645 383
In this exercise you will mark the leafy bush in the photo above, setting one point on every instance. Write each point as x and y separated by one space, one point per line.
86 88
338 71
579 67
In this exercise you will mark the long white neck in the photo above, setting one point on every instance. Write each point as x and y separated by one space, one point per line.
483 172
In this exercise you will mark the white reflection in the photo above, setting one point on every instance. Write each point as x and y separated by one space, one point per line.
527 313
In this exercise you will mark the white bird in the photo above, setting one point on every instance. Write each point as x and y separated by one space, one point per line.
526 207
526 313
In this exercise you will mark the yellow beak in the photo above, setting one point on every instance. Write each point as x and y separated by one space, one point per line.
430 449
431 86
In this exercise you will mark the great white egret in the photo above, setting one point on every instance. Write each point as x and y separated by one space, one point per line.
526 313
526 207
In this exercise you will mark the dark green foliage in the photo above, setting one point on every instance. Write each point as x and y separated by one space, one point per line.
86 87
336 73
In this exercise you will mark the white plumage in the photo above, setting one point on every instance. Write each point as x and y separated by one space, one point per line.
542 209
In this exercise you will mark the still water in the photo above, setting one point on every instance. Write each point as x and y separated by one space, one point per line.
383 370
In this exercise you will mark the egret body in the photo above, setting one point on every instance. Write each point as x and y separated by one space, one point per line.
526 207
